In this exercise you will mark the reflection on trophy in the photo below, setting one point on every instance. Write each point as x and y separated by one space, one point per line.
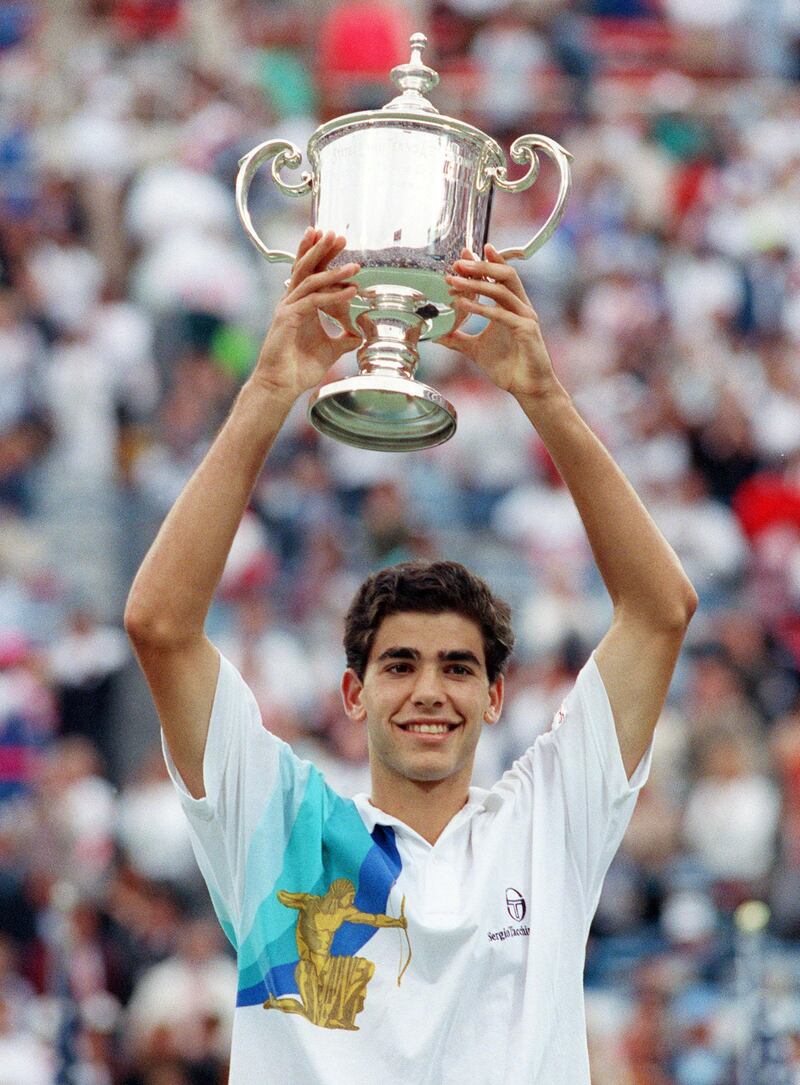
409 189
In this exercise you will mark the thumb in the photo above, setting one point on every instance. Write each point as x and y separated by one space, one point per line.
341 344
338 329
459 341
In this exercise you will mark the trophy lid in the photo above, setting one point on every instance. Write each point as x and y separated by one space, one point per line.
409 108
414 79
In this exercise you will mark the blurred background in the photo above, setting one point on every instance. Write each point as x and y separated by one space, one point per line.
131 310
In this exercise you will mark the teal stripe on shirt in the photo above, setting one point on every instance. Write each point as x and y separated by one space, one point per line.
328 840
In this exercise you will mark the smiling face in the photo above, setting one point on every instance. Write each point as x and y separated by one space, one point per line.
424 697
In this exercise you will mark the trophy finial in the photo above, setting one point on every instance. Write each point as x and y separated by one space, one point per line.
418 42
414 79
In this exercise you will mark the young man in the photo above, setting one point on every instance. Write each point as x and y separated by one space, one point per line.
431 932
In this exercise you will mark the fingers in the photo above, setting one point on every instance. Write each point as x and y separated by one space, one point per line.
495 268
314 286
315 252
328 279
326 291
491 312
325 299
306 241
471 289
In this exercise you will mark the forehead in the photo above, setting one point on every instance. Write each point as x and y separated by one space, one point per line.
428 634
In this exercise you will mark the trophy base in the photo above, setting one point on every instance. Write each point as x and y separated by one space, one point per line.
382 413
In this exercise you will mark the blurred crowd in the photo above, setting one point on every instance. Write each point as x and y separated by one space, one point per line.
131 310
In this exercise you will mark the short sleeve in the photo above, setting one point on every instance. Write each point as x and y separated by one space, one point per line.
252 780
598 796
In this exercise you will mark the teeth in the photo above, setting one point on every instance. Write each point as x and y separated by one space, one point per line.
428 728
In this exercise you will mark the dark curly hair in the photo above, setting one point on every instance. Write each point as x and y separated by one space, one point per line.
431 588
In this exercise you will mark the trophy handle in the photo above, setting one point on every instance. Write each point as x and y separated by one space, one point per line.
284 153
522 150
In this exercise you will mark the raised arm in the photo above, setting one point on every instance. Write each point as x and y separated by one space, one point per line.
292 900
372 920
173 590
653 599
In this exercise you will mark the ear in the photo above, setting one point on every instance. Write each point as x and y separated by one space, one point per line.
352 690
495 705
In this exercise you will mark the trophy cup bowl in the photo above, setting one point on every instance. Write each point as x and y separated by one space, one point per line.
409 189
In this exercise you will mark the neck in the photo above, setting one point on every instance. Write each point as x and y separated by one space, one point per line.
425 806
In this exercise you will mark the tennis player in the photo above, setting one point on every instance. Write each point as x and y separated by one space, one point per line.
430 932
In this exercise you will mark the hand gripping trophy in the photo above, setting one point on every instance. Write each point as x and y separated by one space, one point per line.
409 189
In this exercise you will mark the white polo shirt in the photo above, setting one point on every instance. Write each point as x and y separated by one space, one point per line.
309 888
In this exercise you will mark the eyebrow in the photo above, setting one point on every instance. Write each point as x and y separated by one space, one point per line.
456 655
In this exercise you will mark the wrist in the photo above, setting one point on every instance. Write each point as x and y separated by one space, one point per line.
270 393
542 394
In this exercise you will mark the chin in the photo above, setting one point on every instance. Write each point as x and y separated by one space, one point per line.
432 774
431 777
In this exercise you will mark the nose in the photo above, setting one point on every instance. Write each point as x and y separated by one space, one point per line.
428 690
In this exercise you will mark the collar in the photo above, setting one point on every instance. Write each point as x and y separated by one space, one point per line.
372 815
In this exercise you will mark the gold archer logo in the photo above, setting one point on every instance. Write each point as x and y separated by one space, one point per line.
332 989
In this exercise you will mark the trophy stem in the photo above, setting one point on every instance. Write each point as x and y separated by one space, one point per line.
384 407
391 327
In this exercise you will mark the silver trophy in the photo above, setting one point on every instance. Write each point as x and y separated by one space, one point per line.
409 189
